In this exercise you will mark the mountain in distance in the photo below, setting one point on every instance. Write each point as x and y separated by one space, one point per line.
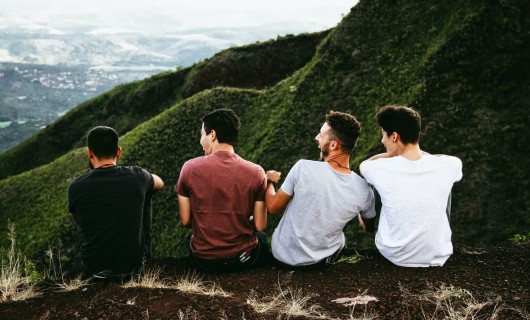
45 72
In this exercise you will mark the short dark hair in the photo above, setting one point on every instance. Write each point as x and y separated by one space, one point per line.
103 141
345 128
225 123
403 120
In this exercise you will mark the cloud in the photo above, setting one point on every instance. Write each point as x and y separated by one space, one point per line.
167 16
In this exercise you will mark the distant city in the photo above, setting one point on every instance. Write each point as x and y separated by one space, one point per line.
43 75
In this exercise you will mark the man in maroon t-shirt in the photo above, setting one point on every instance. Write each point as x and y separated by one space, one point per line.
222 197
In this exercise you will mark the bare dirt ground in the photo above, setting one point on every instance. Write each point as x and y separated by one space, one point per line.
474 284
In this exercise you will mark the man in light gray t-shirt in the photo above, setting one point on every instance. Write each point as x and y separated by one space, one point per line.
320 198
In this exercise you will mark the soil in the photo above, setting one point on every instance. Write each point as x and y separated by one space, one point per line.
497 277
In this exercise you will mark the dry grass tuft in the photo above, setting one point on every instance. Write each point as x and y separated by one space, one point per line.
288 302
73 284
16 283
190 283
147 278
456 304
194 283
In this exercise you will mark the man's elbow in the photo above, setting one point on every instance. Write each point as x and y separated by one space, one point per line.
159 183
185 223
273 210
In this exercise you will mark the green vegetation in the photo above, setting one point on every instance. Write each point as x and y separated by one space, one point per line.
520 238
463 65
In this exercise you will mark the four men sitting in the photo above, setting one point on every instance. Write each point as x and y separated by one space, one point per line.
225 199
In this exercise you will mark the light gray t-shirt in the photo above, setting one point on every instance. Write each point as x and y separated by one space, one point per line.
413 227
324 200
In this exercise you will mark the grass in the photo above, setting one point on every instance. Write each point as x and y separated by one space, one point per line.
147 278
190 283
288 302
449 302
194 283
353 259
16 282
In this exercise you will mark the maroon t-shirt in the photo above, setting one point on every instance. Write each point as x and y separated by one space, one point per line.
222 188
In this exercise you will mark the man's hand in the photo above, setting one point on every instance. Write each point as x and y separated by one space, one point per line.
273 175
382 155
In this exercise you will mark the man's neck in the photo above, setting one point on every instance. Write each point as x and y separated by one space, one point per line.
410 151
339 161
223 147
103 163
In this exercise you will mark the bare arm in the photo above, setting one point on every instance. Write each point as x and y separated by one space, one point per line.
276 201
260 215
367 223
184 210
159 184
381 155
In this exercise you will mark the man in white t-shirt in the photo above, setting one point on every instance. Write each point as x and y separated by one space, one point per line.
414 187
319 198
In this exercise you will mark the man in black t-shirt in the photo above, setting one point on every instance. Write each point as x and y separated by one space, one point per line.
111 206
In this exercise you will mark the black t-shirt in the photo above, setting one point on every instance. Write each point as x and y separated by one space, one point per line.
112 210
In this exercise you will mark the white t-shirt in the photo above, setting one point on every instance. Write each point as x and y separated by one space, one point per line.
324 200
413 227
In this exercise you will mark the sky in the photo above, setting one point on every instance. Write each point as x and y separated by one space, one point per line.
169 16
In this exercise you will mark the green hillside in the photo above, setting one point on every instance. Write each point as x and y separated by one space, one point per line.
464 65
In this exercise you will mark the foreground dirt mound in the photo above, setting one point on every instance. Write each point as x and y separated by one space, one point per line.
485 283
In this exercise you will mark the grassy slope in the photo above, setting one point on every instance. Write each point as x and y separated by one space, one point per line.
464 66
253 66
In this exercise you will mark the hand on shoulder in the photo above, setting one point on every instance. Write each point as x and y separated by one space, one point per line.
381 155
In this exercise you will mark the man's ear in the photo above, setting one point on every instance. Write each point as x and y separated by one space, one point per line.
395 137
118 154
334 145
213 135
90 153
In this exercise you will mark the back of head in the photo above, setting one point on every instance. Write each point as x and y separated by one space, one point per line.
403 120
103 141
345 128
225 123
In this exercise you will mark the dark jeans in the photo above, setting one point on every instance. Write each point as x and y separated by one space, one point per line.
255 257
315 266
106 276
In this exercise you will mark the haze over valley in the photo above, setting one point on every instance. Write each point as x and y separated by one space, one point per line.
53 59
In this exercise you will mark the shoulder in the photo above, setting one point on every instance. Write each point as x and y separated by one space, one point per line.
448 160
309 163
249 164
79 180
307 166
371 163
134 170
195 162
76 182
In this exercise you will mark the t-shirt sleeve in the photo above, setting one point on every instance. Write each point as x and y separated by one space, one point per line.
262 185
365 170
292 179
181 188
369 205
71 207
149 180
458 169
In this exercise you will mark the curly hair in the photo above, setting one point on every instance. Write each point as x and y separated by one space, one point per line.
345 128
